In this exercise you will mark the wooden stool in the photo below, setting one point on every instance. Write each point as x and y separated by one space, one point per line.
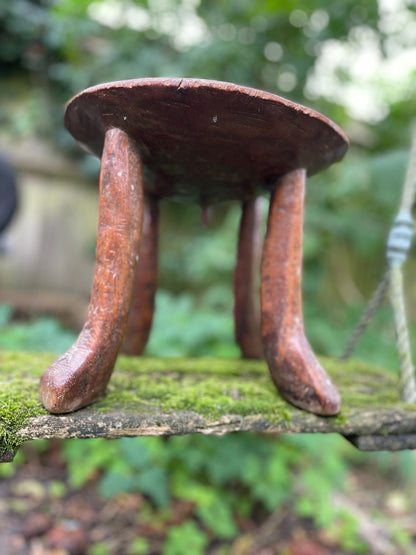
204 141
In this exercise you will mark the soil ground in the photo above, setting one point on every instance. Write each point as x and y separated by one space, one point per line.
41 515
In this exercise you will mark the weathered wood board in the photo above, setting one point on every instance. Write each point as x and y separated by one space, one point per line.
149 396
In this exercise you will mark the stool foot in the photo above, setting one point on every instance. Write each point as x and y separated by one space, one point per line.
81 375
246 308
292 363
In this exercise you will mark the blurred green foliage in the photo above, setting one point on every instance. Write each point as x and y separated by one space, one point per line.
61 47
43 334
229 478
224 478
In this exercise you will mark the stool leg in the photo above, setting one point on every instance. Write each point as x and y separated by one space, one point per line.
293 366
247 303
141 312
80 376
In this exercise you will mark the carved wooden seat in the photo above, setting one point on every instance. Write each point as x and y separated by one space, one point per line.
205 141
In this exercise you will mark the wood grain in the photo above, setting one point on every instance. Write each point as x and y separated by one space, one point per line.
141 312
207 140
81 375
293 366
246 287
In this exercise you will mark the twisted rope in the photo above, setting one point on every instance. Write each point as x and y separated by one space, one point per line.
398 246
368 314
407 371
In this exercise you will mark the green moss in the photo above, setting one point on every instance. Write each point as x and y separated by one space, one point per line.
210 387
362 385
19 375
207 386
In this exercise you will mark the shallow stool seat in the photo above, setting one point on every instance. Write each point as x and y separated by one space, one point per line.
205 142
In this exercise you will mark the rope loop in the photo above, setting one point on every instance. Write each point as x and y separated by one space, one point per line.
399 239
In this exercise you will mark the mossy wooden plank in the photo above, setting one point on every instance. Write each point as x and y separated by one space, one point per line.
149 396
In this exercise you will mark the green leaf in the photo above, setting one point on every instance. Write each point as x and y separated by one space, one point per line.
187 488
186 538
134 453
139 546
217 516
154 483
114 483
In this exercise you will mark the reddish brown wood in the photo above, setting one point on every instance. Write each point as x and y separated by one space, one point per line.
80 376
293 366
207 140
141 312
246 292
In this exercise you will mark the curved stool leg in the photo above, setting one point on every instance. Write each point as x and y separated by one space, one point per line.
292 363
142 308
80 376
246 308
